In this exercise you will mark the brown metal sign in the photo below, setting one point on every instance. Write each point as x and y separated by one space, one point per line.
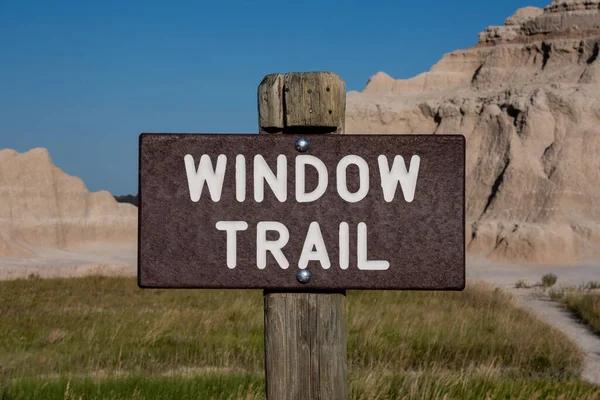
331 212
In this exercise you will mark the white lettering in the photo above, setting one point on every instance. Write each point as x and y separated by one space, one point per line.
231 227
342 185
301 162
240 178
205 172
314 239
389 179
263 173
344 245
263 245
363 263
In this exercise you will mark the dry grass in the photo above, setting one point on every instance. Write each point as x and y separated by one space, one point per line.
479 328
104 335
586 305
583 301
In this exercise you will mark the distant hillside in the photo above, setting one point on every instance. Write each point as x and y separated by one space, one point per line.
43 207
129 198
527 99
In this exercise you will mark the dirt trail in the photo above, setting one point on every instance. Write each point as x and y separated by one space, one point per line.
551 312
505 276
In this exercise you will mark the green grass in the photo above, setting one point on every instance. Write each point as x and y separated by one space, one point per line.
109 339
593 285
232 386
583 301
549 280
586 305
422 386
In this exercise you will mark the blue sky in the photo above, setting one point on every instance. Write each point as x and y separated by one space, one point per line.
84 78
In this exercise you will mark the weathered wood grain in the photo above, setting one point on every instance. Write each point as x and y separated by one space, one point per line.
270 104
305 333
305 346
294 102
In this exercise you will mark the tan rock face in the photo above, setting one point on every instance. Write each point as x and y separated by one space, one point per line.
41 206
527 98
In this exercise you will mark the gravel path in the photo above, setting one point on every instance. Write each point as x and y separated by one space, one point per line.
505 276
560 318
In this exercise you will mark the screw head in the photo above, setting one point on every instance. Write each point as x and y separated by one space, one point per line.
302 145
303 276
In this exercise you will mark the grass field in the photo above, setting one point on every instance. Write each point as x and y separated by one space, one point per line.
587 307
103 338
583 301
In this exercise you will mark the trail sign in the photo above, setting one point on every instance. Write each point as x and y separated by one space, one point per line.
302 212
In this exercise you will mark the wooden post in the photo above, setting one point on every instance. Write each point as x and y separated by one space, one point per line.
302 102
305 333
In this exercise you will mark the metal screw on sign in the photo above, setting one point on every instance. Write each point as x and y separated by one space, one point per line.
302 145
303 276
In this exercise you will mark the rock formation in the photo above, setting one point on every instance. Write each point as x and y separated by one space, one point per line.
41 206
527 98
